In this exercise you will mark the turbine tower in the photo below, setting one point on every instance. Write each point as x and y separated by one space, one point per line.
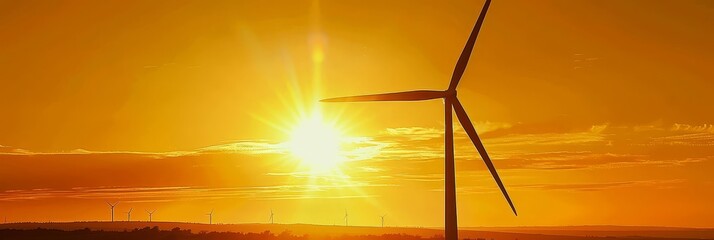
271 216
210 217
450 102
112 207
150 213
128 215
383 219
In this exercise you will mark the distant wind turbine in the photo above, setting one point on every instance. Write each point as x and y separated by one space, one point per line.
346 216
150 213
210 217
450 102
382 217
128 215
271 216
112 207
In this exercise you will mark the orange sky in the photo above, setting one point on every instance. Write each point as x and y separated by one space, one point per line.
595 112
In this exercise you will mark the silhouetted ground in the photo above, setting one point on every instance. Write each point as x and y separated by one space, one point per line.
615 231
192 231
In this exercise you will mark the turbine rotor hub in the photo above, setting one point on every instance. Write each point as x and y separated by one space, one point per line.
450 93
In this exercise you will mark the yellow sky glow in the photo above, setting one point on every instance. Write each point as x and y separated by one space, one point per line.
595 112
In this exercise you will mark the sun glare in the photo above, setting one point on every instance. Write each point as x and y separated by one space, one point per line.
316 144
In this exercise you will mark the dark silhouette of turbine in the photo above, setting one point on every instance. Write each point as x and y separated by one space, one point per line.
450 102
151 213
112 205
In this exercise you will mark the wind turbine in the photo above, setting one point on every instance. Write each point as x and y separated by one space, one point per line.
271 216
383 219
128 215
112 207
210 217
150 213
346 218
450 102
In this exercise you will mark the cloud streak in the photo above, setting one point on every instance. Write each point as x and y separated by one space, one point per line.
393 157
182 193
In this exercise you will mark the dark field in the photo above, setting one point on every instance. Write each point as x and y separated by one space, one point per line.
191 231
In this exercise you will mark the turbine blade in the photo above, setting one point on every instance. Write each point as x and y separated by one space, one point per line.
469 128
398 96
466 53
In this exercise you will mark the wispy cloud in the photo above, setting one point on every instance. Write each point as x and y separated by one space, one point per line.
586 159
249 147
393 157
414 133
600 186
180 193
692 139
709 128
575 186
596 133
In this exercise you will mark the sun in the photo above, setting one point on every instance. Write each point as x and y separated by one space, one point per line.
316 144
